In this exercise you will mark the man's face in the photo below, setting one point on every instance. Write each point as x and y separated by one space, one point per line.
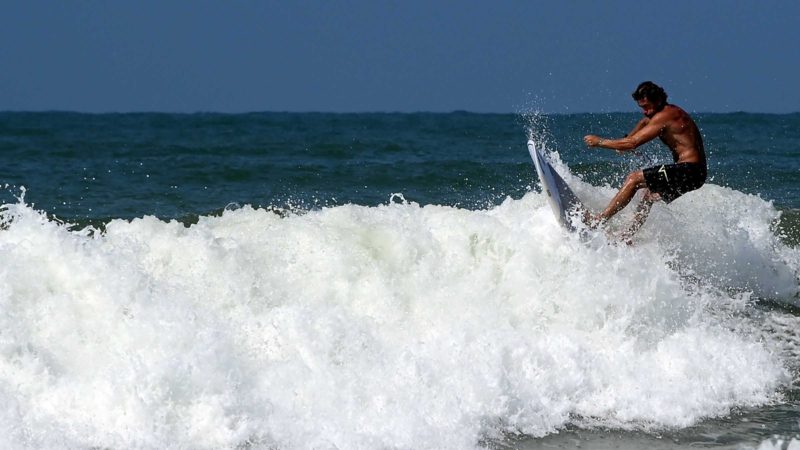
648 107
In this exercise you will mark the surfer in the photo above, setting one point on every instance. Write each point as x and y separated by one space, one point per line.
664 182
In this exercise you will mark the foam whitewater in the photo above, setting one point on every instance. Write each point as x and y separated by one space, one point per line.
394 326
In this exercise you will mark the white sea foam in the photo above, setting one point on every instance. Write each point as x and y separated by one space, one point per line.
397 326
779 443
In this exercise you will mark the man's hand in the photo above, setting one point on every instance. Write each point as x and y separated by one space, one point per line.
592 140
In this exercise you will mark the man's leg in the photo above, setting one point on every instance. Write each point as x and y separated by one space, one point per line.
633 183
642 211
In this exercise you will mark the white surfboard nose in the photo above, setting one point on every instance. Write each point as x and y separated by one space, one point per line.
559 195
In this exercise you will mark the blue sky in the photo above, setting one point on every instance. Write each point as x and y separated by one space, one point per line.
413 55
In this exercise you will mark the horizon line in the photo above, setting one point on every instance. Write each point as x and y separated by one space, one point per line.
376 112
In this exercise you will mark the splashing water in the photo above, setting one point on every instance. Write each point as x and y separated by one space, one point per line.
395 326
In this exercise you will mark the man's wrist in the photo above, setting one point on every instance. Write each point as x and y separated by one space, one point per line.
601 142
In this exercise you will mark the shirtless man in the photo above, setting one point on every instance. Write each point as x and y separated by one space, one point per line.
666 182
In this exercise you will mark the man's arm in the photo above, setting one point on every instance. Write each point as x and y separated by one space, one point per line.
638 126
645 131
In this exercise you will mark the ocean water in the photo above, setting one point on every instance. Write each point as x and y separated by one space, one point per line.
389 281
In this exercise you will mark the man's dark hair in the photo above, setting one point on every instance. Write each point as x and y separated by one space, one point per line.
651 91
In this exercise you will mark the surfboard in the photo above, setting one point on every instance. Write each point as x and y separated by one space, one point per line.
559 195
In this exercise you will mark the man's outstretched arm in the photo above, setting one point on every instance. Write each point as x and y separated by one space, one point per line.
641 135
639 126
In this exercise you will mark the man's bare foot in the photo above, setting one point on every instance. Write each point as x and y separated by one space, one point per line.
626 239
591 220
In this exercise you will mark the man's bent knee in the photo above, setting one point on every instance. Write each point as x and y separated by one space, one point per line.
636 179
651 197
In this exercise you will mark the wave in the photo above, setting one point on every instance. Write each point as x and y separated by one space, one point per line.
395 326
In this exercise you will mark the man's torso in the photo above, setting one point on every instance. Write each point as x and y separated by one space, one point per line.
682 136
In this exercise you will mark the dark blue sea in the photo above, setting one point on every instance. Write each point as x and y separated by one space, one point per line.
392 281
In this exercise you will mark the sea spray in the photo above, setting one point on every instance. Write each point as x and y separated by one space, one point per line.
395 326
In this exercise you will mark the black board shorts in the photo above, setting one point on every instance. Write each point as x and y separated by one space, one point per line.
673 180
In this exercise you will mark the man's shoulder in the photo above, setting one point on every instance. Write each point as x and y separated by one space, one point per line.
670 112
678 111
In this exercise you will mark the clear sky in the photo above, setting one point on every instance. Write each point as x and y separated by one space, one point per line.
411 55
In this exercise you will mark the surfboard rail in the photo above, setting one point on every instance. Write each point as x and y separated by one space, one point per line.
561 198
